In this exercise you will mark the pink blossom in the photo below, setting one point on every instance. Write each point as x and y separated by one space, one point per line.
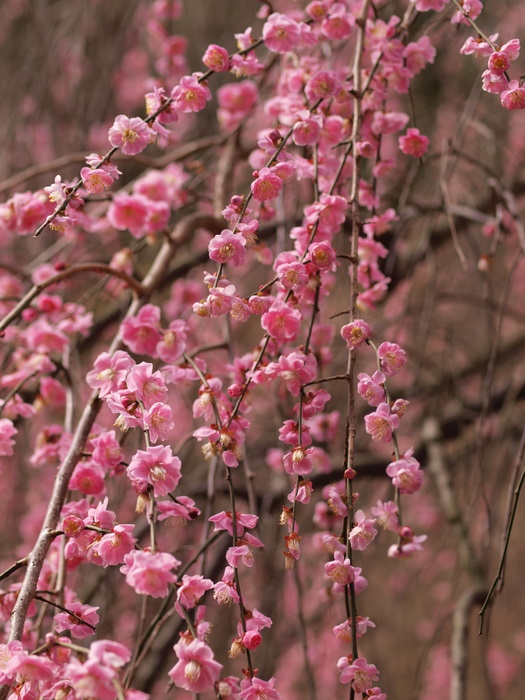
196 669
289 434
192 590
90 679
107 452
292 275
95 180
64 621
7 430
267 185
405 473
418 53
224 590
344 630
514 96
148 386
472 8
392 358
296 369
216 58
100 516
363 532
224 521
425 5
413 143
173 342
322 255
45 337
130 135
298 461
281 33
408 545
281 322
322 85
340 570
359 673
109 653
338 25
379 425
334 500
478 46
386 515
150 573
141 333
240 553
158 420
495 83
228 248
189 95
96 162
129 212
252 639
182 510
87 478
257 689
307 130
156 104
244 66
388 122
113 547
110 372
27 668
328 213
356 333
370 388
155 466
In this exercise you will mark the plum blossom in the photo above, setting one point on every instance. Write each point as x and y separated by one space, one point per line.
405 473
379 425
514 96
370 388
386 515
322 85
267 185
471 8
156 466
7 431
281 33
228 248
414 143
196 669
392 358
356 333
359 673
408 545
74 623
192 590
130 135
257 689
281 322
129 212
113 547
363 531
141 333
216 58
189 95
110 372
340 570
224 590
150 573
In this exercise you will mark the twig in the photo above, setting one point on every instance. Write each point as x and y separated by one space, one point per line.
510 522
